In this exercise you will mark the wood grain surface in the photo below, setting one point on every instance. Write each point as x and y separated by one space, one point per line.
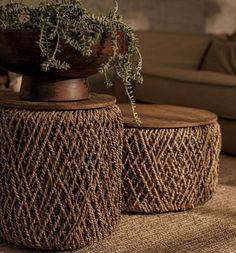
167 116
12 100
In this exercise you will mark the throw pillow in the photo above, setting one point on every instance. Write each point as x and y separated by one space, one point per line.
220 57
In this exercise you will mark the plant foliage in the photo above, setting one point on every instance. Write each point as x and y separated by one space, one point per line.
67 21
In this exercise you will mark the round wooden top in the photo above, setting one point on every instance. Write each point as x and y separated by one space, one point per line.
12 100
166 116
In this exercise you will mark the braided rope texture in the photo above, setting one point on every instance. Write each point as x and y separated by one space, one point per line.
60 178
170 169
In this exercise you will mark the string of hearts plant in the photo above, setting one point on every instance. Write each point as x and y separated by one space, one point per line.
67 21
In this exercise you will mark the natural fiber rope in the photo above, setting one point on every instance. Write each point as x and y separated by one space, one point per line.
169 169
60 176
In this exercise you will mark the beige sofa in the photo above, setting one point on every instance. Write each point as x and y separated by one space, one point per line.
172 76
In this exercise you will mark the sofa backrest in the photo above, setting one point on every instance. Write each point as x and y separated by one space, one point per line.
159 49
170 49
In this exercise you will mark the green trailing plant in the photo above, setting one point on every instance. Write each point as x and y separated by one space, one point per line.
67 21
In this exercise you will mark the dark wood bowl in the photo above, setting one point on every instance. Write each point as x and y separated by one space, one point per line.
20 53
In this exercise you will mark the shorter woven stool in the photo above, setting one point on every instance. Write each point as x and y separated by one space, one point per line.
60 171
171 162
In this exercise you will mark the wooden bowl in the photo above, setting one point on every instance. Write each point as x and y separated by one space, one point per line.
20 53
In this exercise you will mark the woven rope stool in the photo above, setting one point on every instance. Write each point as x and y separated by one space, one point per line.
171 162
60 178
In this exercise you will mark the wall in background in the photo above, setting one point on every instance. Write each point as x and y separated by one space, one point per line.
168 15
198 16
220 16
211 16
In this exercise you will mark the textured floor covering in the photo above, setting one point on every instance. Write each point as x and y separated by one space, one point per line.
206 229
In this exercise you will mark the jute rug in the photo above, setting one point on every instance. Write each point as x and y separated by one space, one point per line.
210 228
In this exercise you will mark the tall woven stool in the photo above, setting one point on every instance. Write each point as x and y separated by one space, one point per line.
171 162
60 171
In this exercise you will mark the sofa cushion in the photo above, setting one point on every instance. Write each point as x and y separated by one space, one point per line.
229 137
172 49
206 90
194 76
221 57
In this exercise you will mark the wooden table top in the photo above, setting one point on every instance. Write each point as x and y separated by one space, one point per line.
12 100
167 116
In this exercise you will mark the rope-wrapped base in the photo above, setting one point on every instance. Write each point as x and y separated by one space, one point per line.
170 169
60 177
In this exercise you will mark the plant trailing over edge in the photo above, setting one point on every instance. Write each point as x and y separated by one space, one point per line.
66 21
